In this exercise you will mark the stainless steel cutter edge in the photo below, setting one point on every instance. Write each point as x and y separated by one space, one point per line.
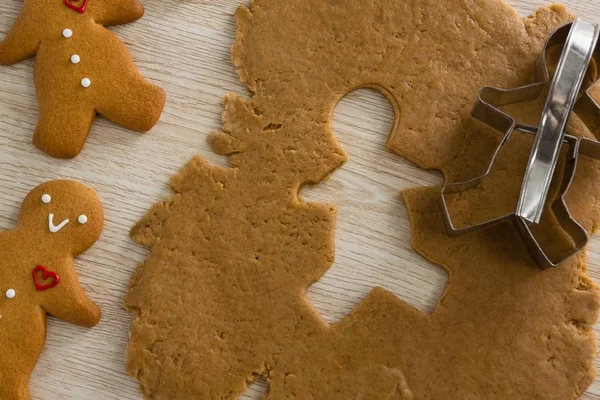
486 110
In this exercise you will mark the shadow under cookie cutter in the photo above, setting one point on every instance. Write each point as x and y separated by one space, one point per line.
580 39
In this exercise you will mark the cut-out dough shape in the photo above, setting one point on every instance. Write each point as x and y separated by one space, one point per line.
81 69
221 297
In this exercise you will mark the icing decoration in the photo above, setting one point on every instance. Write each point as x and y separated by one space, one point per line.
55 228
46 198
75 58
83 219
47 276
67 33
85 82
11 293
80 9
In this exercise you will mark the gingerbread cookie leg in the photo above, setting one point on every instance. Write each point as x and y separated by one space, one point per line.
14 388
61 131
134 104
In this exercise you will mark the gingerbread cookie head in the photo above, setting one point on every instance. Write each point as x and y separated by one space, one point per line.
65 212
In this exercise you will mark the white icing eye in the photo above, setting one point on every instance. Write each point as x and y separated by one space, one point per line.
82 219
46 198
10 293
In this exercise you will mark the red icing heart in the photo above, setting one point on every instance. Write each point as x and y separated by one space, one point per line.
80 9
49 278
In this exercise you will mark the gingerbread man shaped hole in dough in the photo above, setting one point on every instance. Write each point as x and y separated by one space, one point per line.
58 221
81 69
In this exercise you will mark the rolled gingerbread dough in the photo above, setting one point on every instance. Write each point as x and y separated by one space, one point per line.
221 298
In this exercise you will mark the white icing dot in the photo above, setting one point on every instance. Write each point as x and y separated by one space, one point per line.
75 58
67 33
46 198
82 219
85 82
10 293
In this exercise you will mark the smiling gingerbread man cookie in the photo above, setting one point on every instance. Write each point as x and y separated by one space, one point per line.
81 69
58 221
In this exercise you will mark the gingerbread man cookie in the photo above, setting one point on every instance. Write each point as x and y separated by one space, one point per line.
81 69
58 221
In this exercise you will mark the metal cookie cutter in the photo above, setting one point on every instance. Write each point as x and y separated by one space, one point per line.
580 40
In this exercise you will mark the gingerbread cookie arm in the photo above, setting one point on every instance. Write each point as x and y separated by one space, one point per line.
68 301
116 12
22 41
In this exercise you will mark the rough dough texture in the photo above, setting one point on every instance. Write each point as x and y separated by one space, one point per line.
221 298
37 275
67 108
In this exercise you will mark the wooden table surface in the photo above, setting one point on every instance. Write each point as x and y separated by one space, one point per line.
184 47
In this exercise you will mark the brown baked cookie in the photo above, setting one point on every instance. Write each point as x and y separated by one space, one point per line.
58 221
221 298
81 69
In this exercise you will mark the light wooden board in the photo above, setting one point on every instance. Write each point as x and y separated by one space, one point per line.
184 46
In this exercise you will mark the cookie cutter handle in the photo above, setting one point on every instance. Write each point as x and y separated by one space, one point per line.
571 70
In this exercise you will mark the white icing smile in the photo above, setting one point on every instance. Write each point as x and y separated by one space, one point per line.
55 228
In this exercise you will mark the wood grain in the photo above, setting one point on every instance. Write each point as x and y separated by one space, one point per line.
184 46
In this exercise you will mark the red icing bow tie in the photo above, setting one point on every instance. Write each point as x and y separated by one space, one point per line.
49 278
80 9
